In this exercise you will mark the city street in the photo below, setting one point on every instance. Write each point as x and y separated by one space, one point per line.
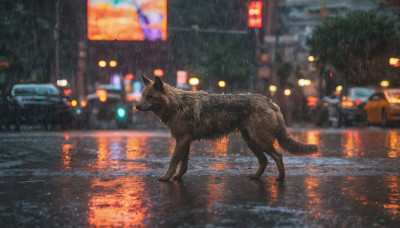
108 178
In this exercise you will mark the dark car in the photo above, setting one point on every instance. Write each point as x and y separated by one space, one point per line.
352 102
37 104
104 110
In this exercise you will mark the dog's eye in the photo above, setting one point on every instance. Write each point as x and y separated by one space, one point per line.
149 97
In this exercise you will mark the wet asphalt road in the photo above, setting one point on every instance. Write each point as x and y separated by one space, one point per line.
107 178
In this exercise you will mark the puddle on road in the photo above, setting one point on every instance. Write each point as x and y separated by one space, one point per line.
374 143
199 201
118 201
108 179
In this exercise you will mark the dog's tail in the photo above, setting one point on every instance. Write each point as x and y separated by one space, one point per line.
289 144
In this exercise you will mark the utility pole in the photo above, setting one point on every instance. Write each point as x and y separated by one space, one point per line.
57 38
80 81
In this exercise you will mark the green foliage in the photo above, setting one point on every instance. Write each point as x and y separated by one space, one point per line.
24 40
27 41
353 44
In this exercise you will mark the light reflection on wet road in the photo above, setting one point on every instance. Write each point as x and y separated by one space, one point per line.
107 178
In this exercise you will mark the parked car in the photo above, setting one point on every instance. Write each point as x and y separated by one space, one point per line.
383 107
37 104
352 102
104 110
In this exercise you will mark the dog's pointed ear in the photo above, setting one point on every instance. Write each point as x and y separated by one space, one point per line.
146 81
158 85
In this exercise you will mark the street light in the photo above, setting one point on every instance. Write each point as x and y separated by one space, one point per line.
384 83
74 103
287 92
221 84
304 82
394 62
311 58
113 63
194 82
102 63
62 83
272 89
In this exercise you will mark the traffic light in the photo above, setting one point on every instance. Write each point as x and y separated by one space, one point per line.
121 113
255 14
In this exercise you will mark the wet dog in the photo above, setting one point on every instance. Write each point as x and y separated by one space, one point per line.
199 115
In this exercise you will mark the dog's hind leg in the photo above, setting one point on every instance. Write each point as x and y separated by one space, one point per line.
278 160
262 160
181 149
262 164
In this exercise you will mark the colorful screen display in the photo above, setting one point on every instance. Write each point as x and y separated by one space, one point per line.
135 20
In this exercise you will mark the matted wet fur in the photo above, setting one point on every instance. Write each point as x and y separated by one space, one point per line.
199 115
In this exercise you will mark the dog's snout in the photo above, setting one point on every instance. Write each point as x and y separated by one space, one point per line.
137 107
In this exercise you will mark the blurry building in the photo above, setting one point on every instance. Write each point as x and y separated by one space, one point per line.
288 24
293 21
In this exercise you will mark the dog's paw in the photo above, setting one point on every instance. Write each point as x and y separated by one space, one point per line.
253 176
163 178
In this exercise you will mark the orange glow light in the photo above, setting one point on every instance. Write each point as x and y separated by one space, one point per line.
347 104
113 63
102 63
158 72
66 156
129 77
67 92
83 103
102 95
74 103
312 101
394 61
255 14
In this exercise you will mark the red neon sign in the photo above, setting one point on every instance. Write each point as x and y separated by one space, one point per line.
255 14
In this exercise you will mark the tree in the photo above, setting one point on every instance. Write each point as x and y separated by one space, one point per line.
358 46
25 39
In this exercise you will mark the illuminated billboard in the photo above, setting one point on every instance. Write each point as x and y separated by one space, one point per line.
134 20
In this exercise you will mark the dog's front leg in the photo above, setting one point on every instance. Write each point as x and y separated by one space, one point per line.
183 167
181 149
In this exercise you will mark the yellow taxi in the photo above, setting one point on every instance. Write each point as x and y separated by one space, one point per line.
383 107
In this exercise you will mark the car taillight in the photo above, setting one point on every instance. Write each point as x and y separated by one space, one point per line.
358 102
102 95
347 104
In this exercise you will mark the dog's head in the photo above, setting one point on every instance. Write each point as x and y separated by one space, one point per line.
153 95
